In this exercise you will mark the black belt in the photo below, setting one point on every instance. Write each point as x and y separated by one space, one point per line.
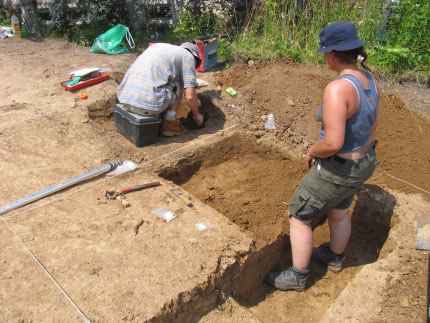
339 159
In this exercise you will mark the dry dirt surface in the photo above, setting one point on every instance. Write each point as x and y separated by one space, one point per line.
293 93
46 136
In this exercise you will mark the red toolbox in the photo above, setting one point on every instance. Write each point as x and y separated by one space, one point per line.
88 80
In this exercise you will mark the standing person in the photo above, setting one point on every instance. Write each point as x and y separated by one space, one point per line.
15 24
157 82
340 161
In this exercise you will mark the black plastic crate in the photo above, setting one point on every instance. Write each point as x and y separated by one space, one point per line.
140 130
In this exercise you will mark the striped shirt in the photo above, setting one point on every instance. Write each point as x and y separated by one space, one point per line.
151 79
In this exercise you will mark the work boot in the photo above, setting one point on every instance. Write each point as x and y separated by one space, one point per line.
171 128
324 255
290 279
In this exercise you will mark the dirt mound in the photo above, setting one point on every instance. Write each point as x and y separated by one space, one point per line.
404 144
293 93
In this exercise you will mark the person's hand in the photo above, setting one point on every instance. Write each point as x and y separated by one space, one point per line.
309 160
198 118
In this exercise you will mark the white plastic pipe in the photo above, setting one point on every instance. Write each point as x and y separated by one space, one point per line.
93 173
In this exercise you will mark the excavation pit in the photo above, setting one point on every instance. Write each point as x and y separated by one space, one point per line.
247 182
251 183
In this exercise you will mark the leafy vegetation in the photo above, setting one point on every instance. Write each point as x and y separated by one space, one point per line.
191 26
406 45
4 17
88 19
396 32
291 28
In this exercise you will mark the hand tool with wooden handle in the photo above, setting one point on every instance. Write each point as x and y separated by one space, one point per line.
111 195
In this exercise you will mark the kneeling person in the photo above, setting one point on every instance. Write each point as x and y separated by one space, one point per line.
158 80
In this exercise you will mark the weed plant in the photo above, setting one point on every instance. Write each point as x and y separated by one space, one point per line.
281 28
405 45
4 17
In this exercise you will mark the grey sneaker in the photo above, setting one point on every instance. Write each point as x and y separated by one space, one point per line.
290 279
324 255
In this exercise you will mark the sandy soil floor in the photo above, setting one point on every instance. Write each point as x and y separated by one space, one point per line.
46 135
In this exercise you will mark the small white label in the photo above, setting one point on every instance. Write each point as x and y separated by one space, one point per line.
164 214
201 227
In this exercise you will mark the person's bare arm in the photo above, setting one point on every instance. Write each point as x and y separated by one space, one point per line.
191 99
194 104
334 118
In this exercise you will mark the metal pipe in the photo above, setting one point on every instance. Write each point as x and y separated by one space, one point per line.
33 197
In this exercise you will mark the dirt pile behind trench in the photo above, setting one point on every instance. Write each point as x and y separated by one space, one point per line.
404 145
293 93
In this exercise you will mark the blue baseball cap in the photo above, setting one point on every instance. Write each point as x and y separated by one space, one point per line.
339 36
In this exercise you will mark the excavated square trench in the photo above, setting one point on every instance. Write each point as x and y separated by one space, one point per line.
251 183
248 183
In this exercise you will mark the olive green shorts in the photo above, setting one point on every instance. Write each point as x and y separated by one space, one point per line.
331 183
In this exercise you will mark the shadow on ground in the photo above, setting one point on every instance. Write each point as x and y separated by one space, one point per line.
214 115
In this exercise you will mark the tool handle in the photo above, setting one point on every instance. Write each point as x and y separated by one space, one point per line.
139 187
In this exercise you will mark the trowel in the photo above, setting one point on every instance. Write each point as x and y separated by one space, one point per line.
423 243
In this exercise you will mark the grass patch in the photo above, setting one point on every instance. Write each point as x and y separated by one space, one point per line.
396 35
285 28
4 17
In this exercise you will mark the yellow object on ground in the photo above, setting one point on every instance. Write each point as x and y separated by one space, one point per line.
231 91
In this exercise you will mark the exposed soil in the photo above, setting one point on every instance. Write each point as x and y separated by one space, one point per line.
250 188
46 136
251 185
293 92
404 145
416 96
